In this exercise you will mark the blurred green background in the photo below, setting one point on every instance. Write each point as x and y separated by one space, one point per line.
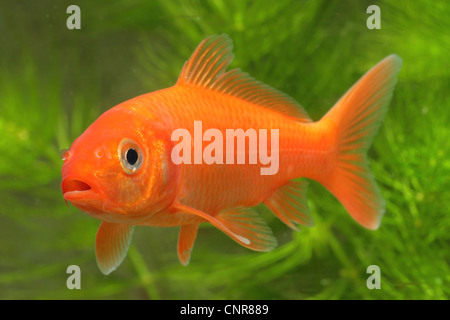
54 82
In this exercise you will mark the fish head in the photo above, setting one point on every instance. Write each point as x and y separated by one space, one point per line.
119 169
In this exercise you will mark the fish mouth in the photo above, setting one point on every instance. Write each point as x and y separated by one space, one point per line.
75 190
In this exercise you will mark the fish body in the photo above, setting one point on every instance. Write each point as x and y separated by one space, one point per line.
126 168
305 150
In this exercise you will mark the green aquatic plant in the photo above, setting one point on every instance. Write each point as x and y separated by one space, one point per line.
55 82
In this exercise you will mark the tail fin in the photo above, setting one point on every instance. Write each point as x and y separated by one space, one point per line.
357 117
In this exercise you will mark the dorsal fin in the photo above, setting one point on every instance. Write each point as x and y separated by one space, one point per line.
207 68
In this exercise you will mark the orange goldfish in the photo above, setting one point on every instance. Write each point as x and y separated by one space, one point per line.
122 169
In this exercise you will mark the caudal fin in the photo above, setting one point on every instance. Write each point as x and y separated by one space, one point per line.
357 117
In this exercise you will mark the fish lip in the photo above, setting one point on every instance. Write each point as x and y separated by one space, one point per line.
78 189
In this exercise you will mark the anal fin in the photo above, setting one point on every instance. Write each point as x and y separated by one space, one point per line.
289 204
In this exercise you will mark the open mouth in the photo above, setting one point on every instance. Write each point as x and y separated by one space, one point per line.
77 190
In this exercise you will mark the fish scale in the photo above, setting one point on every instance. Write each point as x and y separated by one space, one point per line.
241 184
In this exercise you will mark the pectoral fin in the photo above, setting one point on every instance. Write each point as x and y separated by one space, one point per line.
243 225
111 245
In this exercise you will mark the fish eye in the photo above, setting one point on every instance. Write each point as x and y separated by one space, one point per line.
130 156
